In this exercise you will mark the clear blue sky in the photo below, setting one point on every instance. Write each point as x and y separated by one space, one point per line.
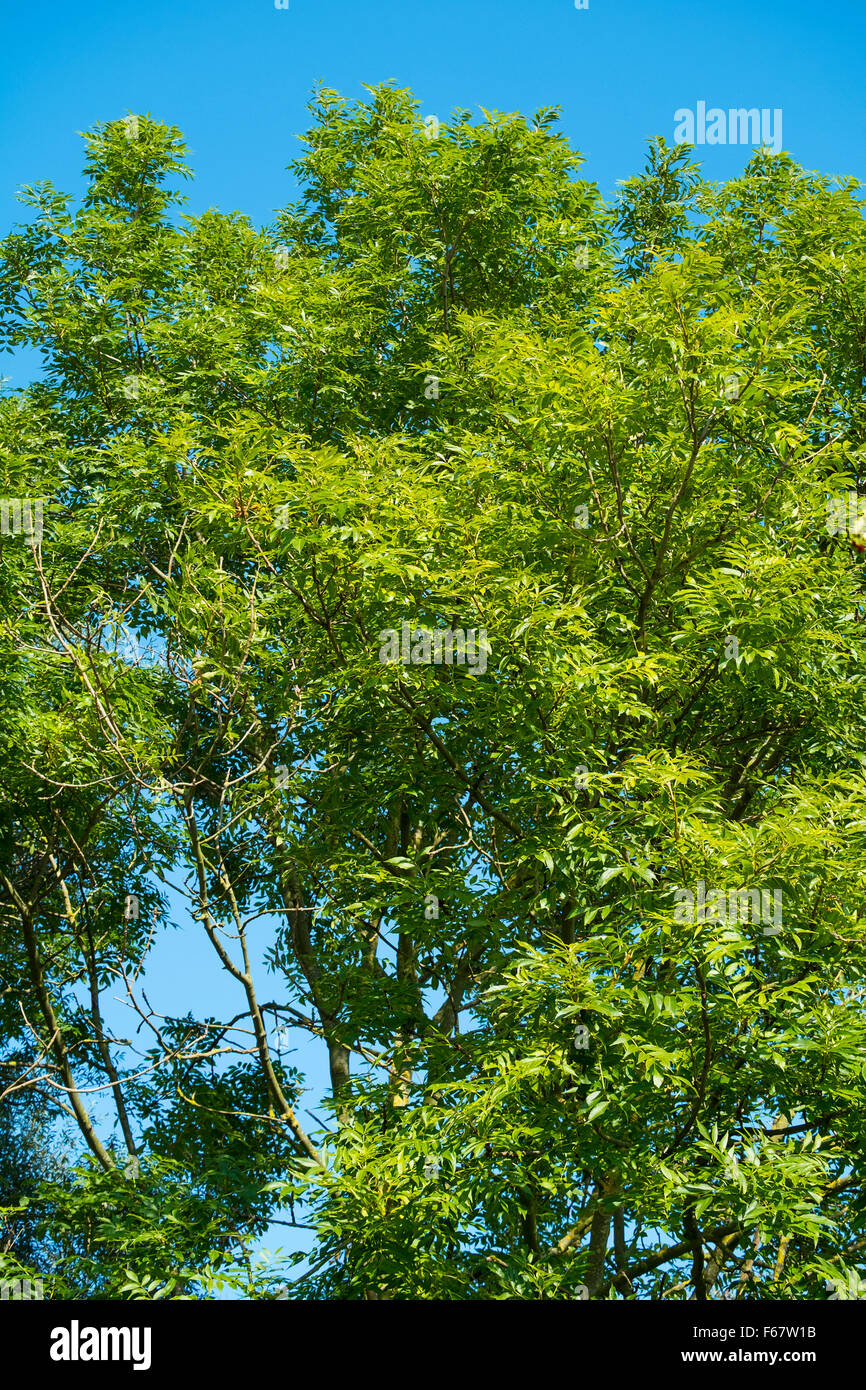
235 76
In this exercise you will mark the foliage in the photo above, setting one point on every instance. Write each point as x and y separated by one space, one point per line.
453 389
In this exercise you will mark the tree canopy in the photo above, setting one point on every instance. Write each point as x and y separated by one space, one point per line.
579 924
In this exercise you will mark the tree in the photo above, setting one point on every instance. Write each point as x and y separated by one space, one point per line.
442 584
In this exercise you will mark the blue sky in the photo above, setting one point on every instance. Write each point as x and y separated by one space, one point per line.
236 75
